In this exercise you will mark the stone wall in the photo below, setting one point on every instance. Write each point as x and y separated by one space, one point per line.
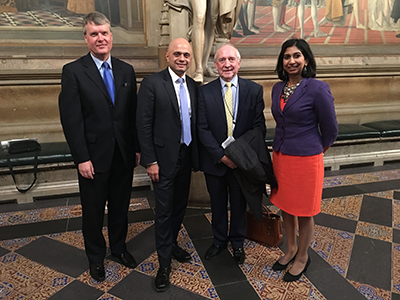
29 109
29 104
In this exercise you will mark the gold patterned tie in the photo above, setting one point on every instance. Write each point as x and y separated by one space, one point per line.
228 108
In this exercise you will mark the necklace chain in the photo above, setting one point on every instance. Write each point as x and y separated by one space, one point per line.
288 91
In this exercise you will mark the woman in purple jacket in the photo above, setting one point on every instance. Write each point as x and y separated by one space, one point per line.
305 128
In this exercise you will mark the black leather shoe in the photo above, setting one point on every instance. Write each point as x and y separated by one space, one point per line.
97 271
239 255
179 254
279 267
162 279
125 259
289 277
214 250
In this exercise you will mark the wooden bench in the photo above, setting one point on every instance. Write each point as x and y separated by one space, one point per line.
373 143
57 174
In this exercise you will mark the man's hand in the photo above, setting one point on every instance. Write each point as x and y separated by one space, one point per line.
227 161
86 169
137 159
152 171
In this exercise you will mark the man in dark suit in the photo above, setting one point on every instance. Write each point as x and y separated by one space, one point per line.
228 107
98 109
166 122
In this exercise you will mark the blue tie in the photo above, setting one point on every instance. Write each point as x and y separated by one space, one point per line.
186 133
109 81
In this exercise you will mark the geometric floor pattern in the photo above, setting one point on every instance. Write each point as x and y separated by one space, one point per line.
355 251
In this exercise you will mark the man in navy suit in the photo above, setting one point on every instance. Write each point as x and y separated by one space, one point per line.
166 122
99 126
218 124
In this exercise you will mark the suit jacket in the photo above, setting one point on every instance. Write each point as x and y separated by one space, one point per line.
159 124
91 123
254 168
307 123
212 124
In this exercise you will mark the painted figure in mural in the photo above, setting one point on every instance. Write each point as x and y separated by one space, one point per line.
380 15
247 18
314 16
395 15
278 14
396 11
336 12
250 14
208 17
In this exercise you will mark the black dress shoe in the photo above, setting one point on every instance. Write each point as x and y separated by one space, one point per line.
125 259
279 267
179 254
289 277
97 271
239 255
162 279
214 250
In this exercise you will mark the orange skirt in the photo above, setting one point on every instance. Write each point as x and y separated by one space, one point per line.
300 181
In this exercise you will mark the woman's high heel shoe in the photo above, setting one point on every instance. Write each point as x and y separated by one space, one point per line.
279 267
289 277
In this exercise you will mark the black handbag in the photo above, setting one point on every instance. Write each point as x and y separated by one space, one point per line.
18 147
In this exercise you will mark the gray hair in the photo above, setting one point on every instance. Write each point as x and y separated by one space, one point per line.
237 51
96 18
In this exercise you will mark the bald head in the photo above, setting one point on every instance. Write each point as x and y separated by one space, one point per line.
179 55
227 61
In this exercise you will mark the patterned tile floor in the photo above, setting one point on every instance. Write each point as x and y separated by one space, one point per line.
355 252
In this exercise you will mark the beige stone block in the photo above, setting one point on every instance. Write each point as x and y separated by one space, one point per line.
198 196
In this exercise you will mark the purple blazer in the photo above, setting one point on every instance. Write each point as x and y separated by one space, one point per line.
308 122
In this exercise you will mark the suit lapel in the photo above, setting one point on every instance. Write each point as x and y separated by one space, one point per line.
218 97
169 87
243 92
116 67
277 97
191 87
94 75
298 93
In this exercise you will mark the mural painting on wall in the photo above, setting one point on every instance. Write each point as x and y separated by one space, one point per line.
330 22
53 13
264 22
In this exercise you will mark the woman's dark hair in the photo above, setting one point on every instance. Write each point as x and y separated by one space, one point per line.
307 53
